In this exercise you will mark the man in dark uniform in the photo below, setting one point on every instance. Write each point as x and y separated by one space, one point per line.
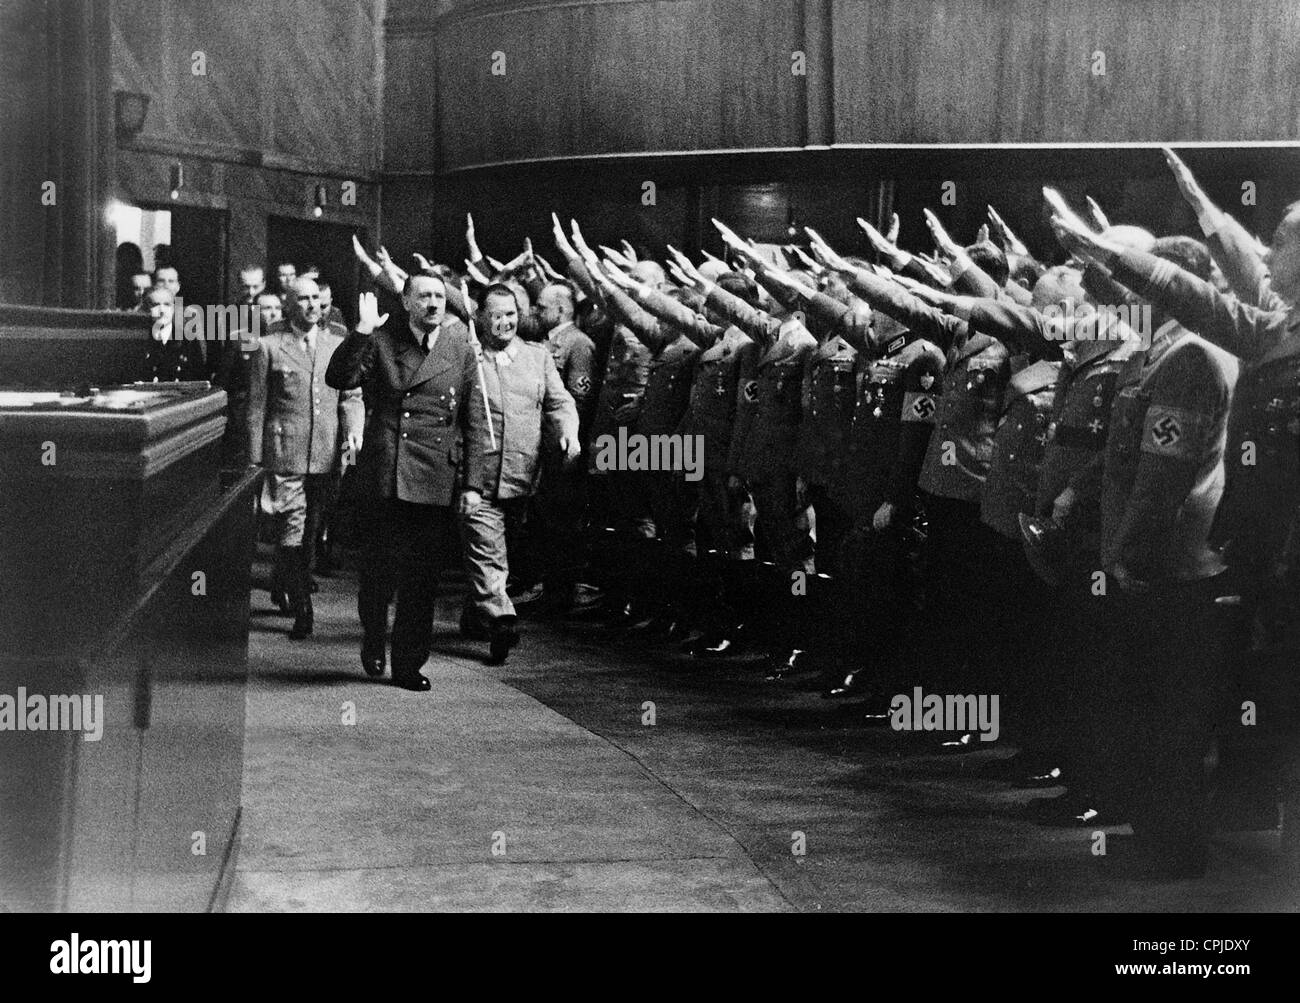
827 415
419 376
1268 340
620 514
723 525
965 412
764 447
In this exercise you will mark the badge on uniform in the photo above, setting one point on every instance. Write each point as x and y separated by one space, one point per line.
751 391
927 381
583 384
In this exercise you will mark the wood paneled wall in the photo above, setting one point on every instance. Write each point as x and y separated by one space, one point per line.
603 77
294 81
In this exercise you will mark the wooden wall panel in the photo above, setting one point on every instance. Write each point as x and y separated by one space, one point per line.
946 71
294 80
612 77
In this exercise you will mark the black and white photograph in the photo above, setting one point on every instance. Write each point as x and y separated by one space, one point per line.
651 456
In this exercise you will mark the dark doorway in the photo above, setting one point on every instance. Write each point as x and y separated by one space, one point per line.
328 245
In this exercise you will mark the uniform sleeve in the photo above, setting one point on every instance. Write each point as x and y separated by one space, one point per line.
1021 328
561 413
758 324
682 317
644 326
581 376
746 395
351 362
473 423
1188 404
974 281
922 383
255 418
927 321
456 305
1240 328
850 324
1234 250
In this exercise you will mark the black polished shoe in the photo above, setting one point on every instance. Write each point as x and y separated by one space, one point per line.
411 681
852 685
280 600
504 637
372 660
302 624
795 663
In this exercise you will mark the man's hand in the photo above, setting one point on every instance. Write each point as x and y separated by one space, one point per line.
1098 217
733 241
368 318
351 448
895 225
627 413
367 262
686 273
1187 183
618 258
628 251
1063 505
561 239
807 262
939 235
571 448
588 255
884 517
825 253
878 240
425 264
1078 239
1011 244
470 500
470 240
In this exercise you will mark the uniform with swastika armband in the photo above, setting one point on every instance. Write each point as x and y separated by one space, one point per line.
827 410
893 416
573 352
1164 462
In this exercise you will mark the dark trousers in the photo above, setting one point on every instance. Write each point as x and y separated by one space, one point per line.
404 547
963 584
1151 701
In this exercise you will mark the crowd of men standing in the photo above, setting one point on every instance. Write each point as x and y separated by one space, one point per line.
1072 485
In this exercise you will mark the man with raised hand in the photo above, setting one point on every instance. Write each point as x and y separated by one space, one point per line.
419 376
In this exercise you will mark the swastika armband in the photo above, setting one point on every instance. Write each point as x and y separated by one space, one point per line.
1173 431
582 384
918 407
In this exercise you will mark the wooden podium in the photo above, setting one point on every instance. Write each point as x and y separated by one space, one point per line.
124 577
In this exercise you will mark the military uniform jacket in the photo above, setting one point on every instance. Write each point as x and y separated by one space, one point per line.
574 356
1164 462
714 406
896 398
525 395
1018 446
295 421
421 408
1076 435
829 386
974 382
668 388
767 434
627 369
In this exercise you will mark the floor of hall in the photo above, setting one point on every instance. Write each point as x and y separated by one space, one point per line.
538 785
